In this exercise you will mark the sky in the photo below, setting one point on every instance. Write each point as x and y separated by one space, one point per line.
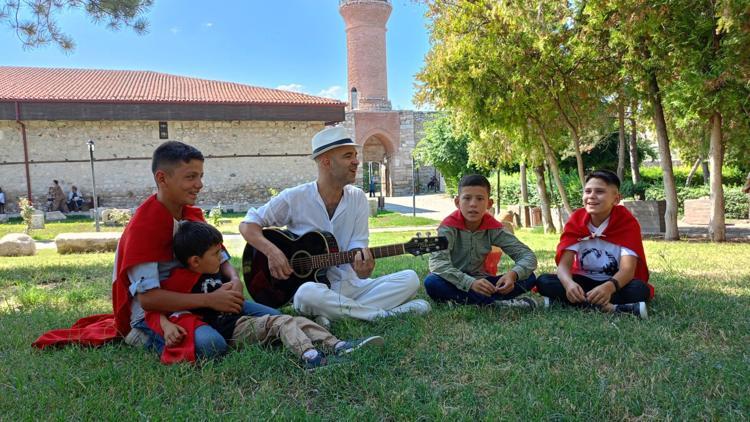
287 44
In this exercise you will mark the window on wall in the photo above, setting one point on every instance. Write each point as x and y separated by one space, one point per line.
163 130
354 99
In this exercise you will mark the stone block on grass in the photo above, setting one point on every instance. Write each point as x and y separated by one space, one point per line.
68 243
17 244
54 216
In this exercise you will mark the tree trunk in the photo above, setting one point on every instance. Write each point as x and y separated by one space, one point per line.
704 169
716 227
556 175
549 226
621 139
576 141
670 191
524 197
635 171
692 171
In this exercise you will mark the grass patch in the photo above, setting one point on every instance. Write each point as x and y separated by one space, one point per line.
392 219
690 360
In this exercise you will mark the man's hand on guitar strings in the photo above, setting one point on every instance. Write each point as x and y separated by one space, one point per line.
278 264
363 263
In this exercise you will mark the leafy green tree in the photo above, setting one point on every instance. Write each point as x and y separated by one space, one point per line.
35 25
446 149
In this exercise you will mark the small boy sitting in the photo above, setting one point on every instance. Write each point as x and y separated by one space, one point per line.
198 246
459 273
600 258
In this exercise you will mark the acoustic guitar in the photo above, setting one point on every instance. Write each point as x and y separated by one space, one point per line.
309 256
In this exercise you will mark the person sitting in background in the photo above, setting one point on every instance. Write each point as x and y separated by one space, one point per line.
75 199
58 198
2 201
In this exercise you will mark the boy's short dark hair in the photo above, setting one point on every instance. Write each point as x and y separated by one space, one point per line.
609 177
474 180
170 153
194 238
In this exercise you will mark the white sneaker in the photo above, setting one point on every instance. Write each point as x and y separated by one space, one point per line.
416 306
521 302
136 337
323 322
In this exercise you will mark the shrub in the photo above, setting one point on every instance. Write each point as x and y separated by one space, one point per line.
215 215
26 211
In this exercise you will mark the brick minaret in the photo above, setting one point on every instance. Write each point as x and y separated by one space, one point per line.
365 42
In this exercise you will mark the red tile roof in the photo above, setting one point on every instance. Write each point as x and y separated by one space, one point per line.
137 86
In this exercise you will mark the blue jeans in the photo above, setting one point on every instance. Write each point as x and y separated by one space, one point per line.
441 290
208 342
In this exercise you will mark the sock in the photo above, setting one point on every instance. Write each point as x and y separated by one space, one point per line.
310 354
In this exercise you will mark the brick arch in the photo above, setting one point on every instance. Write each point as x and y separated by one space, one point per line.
379 147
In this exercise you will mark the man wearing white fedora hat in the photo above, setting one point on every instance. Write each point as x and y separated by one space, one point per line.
332 204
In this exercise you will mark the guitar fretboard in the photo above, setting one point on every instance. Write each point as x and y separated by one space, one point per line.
333 259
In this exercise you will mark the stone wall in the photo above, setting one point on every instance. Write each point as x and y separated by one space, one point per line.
244 159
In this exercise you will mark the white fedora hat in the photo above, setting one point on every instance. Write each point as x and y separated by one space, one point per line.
330 138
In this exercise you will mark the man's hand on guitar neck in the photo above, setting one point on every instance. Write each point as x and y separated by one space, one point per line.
363 263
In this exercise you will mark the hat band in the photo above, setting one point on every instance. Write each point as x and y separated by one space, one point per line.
339 142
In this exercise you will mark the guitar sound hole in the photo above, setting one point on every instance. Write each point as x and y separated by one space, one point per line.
301 264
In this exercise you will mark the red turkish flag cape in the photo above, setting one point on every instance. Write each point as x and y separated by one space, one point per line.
147 238
623 230
457 221
180 280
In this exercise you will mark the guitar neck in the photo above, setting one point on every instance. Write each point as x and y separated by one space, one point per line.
333 259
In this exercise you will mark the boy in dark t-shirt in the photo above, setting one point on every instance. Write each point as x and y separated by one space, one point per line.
197 245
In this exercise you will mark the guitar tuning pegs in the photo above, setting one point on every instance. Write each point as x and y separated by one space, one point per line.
419 234
428 234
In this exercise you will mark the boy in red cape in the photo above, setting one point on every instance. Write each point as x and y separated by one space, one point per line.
144 258
459 274
600 258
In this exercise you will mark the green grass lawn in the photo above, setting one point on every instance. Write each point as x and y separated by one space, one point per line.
689 360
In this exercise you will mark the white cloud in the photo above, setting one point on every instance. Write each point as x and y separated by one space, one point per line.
336 92
292 87
174 30
208 24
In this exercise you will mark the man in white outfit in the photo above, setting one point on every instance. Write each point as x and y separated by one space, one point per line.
332 204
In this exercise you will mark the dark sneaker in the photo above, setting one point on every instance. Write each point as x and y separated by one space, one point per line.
352 345
638 309
521 302
319 361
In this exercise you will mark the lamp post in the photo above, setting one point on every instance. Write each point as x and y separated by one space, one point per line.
90 144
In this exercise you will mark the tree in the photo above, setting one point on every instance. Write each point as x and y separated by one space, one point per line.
35 25
710 41
446 149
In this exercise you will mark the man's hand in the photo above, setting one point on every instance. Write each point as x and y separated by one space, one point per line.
278 264
363 263
483 287
226 299
601 294
574 292
506 283
173 333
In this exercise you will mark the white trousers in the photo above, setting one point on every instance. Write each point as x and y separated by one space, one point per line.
366 299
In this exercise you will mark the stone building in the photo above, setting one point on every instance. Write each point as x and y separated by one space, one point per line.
256 140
